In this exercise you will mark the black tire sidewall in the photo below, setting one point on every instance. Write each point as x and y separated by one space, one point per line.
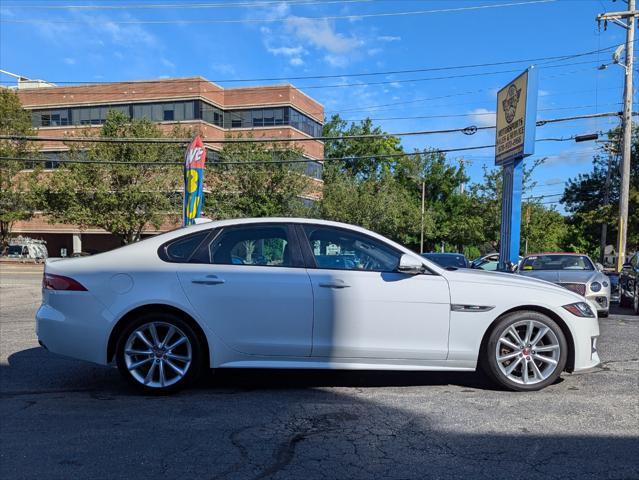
490 362
196 348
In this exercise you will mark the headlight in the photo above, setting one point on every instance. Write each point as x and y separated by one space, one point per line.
595 286
580 309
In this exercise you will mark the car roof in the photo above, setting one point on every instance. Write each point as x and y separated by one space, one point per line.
556 253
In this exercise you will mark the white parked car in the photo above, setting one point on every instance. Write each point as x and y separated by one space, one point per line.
301 293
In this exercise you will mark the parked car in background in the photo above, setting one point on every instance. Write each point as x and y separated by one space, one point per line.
171 305
488 262
573 271
25 248
629 284
448 260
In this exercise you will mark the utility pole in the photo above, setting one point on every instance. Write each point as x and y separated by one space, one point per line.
421 242
604 226
630 15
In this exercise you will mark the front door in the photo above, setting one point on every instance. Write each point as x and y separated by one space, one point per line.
251 289
365 308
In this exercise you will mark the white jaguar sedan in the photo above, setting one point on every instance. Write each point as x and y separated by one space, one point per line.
302 293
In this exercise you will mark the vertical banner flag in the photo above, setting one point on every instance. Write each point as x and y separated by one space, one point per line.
193 180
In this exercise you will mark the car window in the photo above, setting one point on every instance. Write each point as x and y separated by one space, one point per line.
339 249
444 260
490 265
557 262
252 245
179 250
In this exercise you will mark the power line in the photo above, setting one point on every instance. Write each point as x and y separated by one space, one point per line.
359 74
145 6
469 130
366 84
280 19
275 162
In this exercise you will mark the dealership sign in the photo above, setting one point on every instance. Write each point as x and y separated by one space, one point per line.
515 140
516 117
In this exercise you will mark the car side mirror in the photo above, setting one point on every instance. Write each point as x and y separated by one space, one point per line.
599 266
410 265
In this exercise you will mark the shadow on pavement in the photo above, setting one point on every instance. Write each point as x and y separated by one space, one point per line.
66 419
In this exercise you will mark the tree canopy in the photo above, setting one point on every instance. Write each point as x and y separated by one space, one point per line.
16 203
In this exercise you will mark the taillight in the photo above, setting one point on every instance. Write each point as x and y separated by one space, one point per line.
58 282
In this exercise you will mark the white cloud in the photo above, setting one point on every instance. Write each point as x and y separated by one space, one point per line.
167 63
483 117
320 34
388 38
69 61
223 68
296 61
374 51
287 51
336 60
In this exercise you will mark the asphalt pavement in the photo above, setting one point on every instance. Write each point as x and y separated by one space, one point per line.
65 419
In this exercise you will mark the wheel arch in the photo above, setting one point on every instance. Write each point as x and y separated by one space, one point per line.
570 361
150 308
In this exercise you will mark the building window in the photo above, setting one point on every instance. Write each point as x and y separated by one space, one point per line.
179 111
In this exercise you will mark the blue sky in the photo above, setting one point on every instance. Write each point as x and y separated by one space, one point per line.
280 39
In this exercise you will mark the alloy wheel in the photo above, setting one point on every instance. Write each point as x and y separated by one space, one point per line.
158 354
528 352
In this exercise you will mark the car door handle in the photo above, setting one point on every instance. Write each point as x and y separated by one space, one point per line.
209 280
334 284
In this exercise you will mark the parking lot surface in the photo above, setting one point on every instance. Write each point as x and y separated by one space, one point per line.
62 419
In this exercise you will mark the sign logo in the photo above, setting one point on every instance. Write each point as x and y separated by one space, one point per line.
510 102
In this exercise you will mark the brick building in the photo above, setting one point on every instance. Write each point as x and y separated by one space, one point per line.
278 111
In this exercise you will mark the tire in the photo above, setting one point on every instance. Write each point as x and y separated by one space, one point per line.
509 372
603 314
153 352
636 300
623 301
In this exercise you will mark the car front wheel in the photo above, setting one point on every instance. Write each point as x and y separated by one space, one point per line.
159 352
525 351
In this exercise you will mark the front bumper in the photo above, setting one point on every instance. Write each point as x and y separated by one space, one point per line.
585 335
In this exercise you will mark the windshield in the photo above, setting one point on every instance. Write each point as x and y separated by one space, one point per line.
458 261
557 262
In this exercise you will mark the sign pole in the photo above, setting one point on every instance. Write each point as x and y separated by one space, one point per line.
515 140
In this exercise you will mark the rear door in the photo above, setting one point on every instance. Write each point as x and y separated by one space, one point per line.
250 286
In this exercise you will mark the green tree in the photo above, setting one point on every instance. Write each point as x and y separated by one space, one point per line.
15 203
487 195
584 194
249 189
122 198
543 229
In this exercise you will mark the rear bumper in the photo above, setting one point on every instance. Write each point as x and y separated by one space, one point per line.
81 332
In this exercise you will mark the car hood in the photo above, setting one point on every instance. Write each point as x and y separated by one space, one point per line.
561 276
479 286
500 278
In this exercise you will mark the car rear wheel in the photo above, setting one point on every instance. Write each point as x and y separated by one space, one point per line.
525 351
159 352
623 301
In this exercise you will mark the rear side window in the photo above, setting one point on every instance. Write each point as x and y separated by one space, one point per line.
181 249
